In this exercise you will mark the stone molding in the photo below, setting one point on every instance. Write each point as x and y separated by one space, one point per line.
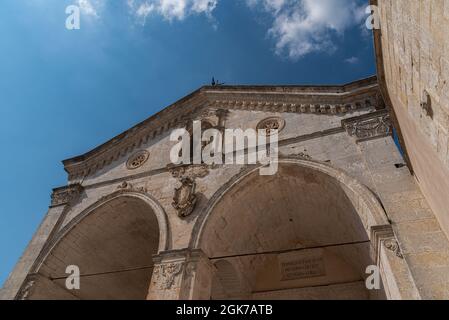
384 235
279 99
66 195
27 285
369 126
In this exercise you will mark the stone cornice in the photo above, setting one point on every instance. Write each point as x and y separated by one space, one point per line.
292 99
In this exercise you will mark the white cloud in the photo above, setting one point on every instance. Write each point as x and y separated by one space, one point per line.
301 27
172 9
352 60
89 7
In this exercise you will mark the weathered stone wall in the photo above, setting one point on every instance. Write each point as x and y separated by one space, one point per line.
412 52
350 142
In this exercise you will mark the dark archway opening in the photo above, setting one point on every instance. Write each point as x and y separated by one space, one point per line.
294 235
113 248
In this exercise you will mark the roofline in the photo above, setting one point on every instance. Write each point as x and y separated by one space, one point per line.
328 87
124 133
265 88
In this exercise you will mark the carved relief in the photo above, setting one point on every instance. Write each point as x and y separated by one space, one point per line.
370 126
25 291
300 156
126 186
393 245
190 171
165 275
137 160
271 124
66 195
185 198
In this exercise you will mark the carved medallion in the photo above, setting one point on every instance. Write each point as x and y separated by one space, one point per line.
271 124
185 199
137 160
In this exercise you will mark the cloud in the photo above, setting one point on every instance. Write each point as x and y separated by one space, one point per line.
352 60
89 7
301 27
172 9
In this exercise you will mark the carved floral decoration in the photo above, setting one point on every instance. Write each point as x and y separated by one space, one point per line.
271 124
137 160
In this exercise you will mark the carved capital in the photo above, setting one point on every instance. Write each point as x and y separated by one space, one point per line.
66 195
384 235
369 126
165 276
393 246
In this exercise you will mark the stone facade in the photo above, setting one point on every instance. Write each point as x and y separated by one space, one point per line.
140 227
412 48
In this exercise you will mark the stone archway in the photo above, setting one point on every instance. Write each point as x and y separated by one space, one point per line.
112 243
307 232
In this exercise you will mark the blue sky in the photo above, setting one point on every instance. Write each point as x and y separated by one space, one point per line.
63 92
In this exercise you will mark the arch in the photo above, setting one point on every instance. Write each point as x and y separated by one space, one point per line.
113 242
368 207
158 210
303 233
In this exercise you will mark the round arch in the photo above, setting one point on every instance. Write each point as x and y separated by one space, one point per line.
112 242
367 205
303 233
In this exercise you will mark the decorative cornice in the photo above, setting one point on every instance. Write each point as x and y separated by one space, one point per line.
300 99
369 126
66 195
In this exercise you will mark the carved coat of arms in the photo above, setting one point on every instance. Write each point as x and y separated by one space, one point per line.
185 199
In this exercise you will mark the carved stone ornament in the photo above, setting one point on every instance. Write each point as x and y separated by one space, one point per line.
426 104
301 156
392 245
137 160
66 195
271 124
25 291
185 198
126 186
190 171
165 275
369 126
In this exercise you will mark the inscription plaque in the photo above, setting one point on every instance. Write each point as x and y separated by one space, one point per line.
302 268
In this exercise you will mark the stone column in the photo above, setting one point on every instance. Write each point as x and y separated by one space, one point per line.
181 275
